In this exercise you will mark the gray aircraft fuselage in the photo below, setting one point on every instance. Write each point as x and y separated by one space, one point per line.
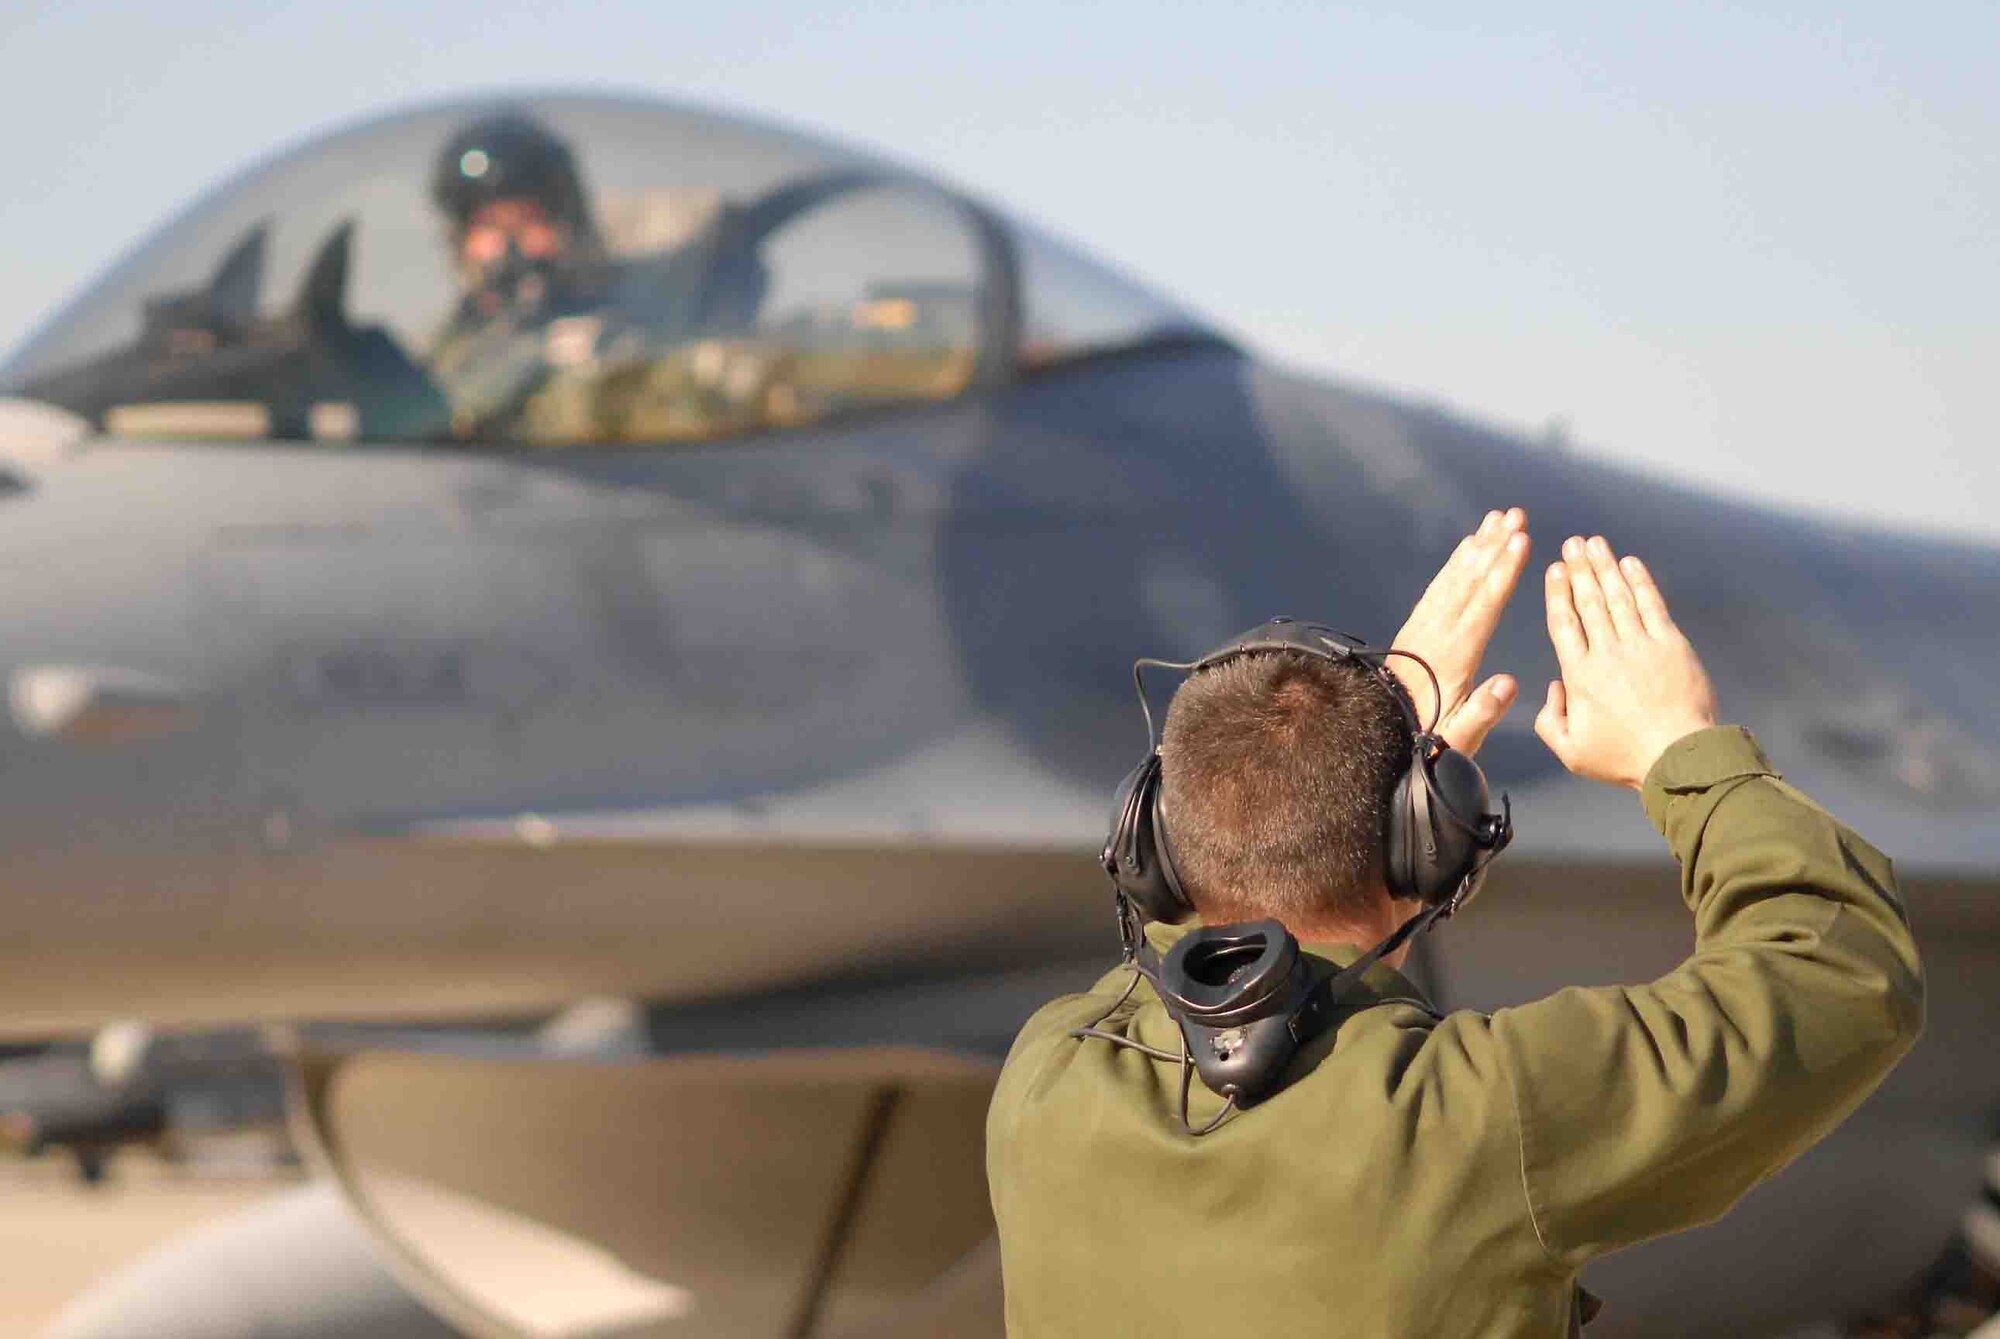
423 732
463 734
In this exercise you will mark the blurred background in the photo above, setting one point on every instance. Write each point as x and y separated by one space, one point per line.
1743 245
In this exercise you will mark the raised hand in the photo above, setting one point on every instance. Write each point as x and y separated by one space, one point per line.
1452 624
1631 684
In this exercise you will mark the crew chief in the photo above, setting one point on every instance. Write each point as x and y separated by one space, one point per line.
1427 1175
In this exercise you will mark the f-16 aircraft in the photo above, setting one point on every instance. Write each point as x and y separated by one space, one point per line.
569 558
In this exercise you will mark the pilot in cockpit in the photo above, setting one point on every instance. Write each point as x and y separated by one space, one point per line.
529 262
557 338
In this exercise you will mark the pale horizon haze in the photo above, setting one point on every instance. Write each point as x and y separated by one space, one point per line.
1749 246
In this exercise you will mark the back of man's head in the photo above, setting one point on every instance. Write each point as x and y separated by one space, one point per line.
1277 773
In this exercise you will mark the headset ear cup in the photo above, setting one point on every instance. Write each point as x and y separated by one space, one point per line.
1163 852
1398 870
1424 874
1458 806
1135 855
1430 850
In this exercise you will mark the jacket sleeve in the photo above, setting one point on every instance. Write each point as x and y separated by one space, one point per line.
1646 1109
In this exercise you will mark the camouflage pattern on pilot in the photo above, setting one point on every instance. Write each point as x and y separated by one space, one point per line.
531 269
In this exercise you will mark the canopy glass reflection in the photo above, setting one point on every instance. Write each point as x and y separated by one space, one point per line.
568 271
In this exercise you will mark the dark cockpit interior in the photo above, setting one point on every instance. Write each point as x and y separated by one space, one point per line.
569 271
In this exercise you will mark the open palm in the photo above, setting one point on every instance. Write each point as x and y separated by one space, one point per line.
1452 624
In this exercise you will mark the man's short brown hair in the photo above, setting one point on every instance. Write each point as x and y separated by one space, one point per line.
1277 773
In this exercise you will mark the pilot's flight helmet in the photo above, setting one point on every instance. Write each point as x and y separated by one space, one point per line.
509 156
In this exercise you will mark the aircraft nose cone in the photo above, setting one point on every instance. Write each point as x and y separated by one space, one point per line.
33 437
86 704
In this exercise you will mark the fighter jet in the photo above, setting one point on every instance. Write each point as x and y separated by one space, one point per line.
597 560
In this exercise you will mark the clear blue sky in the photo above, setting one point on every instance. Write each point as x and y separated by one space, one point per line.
1753 244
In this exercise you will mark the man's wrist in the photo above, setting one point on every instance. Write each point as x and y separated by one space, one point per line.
1699 759
1665 742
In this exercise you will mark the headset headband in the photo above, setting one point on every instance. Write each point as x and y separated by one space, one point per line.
1314 639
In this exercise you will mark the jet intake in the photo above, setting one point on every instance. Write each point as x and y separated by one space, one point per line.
794 1194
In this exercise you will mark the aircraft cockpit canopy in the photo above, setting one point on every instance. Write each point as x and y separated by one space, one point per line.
570 271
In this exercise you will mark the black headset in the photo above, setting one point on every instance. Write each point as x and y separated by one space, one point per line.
1243 995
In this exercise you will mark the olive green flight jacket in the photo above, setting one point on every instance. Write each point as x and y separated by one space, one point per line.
1448 1176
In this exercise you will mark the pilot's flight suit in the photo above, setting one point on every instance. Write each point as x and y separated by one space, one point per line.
1427 1176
